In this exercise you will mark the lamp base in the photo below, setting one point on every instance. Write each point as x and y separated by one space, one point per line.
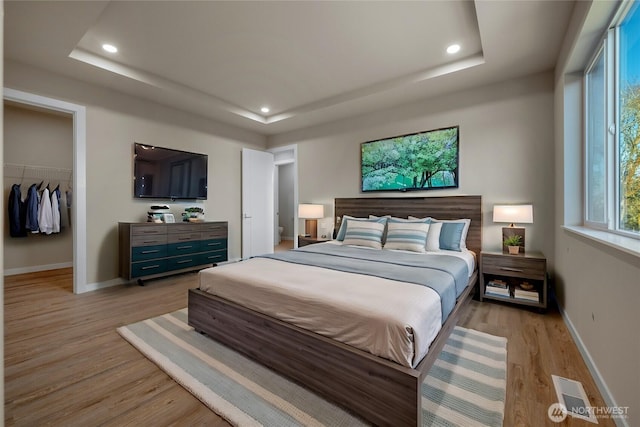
311 228
512 231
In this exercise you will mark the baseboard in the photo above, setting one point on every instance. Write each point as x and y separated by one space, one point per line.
101 285
120 281
586 356
36 268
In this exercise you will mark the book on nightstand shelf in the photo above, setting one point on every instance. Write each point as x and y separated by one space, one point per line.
497 283
529 295
497 288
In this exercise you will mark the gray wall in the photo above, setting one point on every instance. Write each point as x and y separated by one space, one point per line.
598 286
506 151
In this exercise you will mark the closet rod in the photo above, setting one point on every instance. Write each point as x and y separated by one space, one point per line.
19 171
35 167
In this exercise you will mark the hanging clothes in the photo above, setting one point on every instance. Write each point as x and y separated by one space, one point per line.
55 210
59 196
45 216
33 206
69 196
17 213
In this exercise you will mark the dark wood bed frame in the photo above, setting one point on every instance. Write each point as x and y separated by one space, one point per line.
376 389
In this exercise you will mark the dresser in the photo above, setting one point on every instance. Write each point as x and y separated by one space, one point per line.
149 250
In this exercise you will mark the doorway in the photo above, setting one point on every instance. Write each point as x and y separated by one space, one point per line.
78 210
285 197
285 207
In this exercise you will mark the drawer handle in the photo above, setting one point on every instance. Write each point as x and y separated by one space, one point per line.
151 266
185 247
151 252
184 238
517 270
184 261
150 241
214 244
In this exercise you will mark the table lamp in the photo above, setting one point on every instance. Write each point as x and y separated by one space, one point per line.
512 214
310 213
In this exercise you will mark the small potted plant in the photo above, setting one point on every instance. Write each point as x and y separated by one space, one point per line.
513 243
193 214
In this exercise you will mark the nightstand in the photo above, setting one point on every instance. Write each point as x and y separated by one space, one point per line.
515 279
304 241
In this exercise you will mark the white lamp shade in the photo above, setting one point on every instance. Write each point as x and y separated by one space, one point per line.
310 211
521 214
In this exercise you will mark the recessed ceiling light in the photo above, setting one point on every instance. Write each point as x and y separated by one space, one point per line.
109 48
454 48
265 109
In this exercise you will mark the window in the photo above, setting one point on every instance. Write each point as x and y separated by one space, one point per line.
596 136
612 129
629 134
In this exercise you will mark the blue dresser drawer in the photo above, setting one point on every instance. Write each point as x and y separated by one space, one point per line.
213 257
141 253
185 261
213 245
182 248
147 268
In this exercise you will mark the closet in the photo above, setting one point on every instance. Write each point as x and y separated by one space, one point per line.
38 151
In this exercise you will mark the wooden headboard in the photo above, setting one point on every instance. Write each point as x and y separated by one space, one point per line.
451 207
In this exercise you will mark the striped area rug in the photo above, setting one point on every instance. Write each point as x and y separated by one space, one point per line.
465 387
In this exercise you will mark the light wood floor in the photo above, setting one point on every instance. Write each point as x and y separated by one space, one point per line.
66 365
284 245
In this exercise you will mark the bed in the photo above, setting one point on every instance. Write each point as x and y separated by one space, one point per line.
377 387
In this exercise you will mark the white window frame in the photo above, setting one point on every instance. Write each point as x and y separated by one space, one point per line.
610 47
605 51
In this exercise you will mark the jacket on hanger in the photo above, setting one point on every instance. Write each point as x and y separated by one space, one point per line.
17 213
45 216
55 210
33 205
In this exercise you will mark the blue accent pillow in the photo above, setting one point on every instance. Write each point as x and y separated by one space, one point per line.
450 236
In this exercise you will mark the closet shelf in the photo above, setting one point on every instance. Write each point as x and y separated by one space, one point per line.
34 172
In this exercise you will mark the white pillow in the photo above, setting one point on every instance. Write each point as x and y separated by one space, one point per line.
364 233
411 219
408 236
433 238
343 226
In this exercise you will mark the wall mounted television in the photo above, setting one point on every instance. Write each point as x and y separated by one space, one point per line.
165 173
418 161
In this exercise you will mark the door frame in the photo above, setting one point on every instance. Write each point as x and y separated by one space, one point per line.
78 207
288 154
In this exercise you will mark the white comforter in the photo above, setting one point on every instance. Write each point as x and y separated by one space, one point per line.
387 318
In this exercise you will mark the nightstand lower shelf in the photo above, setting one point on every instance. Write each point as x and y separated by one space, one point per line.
514 279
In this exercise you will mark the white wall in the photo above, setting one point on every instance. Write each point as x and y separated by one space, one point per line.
506 151
114 122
